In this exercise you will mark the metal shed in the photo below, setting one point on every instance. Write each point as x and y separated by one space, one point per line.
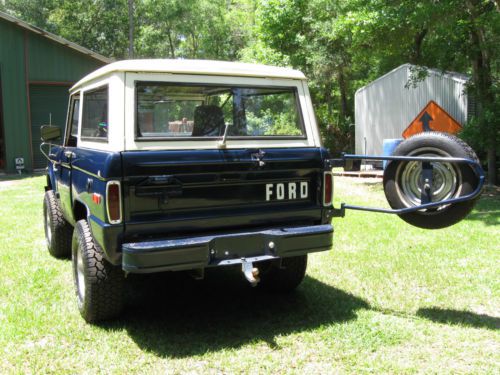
36 70
385 107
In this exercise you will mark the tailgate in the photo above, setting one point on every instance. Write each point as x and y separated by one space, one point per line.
175 192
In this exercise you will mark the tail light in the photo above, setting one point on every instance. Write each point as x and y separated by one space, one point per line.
327 189
113 202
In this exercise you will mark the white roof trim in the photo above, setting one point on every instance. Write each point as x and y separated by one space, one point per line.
452 75
55 38
201 67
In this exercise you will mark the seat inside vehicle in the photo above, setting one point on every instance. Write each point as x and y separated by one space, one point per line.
208 121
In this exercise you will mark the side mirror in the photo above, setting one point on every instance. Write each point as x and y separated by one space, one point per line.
50 132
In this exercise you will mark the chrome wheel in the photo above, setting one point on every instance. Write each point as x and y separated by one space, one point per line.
403 187
446 179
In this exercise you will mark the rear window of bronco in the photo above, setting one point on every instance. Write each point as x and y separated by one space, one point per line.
173 110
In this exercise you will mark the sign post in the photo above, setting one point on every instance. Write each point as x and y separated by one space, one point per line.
19 164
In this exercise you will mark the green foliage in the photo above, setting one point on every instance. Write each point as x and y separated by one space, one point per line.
258 52
284 124
205 29
269 122
474 130
272 114
339 44
342 45
100 25
34 12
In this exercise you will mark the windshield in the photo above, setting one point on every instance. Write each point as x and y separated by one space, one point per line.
166 110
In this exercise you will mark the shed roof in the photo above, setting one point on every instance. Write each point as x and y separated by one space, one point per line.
451 75
54 37
204 67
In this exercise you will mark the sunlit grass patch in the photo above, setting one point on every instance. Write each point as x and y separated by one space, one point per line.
387 298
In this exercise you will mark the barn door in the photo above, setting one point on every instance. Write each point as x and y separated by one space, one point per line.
48 105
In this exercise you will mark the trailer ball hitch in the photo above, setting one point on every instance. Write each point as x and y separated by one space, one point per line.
251 273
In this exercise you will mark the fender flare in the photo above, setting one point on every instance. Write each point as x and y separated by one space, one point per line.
77 212
51 179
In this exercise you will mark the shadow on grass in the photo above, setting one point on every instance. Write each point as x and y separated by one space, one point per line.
173 316
487 209
448 316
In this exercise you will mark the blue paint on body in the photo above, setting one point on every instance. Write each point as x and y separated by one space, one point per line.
180 193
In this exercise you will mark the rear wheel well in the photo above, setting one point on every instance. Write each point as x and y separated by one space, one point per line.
79 211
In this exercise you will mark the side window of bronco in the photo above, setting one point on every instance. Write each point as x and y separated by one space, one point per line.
72 130
95 114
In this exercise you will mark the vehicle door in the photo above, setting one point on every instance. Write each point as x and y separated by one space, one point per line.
66 155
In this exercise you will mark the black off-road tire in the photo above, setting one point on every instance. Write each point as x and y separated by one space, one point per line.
58 232
98 284
432 144
282 276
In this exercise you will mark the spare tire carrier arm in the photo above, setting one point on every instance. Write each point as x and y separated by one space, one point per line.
427 182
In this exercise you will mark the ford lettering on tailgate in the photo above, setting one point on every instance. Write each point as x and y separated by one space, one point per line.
287 191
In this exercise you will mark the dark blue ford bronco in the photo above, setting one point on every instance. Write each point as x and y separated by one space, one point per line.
178 165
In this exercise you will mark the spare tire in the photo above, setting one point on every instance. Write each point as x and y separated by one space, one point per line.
402 180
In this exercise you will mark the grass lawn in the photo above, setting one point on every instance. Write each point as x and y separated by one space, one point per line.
389 298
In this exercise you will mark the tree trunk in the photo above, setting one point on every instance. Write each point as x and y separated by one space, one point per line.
328 97
130 29
481 74
171 44
194 46
344 108
417 52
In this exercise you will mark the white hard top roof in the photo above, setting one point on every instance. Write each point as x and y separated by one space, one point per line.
202 67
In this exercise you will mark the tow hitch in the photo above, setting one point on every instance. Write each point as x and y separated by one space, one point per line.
251 273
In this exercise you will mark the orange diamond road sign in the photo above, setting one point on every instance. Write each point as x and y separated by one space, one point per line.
432 118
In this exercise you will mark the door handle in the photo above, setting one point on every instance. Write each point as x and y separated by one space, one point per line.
69 154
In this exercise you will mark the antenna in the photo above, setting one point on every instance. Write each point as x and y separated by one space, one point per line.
222 142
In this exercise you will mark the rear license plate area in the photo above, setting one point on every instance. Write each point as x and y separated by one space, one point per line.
237 247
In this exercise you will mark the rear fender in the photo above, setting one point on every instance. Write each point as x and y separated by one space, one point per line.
106 235
80 210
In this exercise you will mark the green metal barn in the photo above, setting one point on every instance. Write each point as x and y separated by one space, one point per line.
36 70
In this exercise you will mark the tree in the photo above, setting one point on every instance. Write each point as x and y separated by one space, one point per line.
214 29
457 35
33 12
340 44
343 44
483 25
160 36
100 25
130 29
